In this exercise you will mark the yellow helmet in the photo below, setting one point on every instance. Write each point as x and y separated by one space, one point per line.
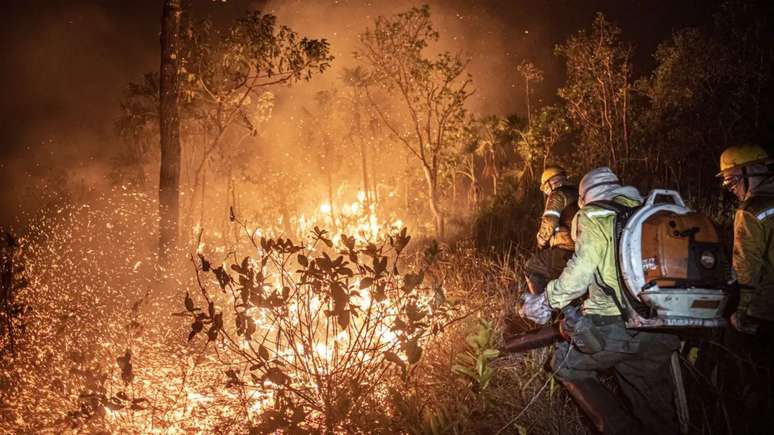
738 156
550 172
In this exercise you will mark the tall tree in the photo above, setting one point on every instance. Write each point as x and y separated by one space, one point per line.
531 75
706 93
467 164
430 92
229 69
225 75
597 93
169 126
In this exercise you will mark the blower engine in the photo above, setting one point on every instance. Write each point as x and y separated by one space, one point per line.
673 271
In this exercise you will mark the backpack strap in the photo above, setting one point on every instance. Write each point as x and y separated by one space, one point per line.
622 215
610 292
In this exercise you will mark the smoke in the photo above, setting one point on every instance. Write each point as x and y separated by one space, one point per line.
475 31
67 64
65 68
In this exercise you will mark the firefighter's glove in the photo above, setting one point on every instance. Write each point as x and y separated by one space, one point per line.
535 308
743 323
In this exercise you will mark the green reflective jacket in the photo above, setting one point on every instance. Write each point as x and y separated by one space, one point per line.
753 257
593 251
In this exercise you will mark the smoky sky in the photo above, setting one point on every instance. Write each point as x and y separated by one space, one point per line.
66 64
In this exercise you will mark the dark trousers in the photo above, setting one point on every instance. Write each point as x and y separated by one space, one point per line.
746 380
641 362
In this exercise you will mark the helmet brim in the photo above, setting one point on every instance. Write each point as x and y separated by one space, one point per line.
764 161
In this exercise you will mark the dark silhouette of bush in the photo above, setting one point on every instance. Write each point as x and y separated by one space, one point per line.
507 223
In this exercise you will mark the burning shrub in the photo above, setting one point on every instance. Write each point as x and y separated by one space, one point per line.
337 333
314 334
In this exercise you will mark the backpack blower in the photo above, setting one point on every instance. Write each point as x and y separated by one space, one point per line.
672 271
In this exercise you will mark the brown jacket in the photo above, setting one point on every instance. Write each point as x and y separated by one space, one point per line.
555 224
753 258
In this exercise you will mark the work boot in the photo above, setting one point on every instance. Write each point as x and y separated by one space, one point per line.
602 407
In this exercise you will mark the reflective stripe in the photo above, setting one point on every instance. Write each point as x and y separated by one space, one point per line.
600 213
552 213
764 214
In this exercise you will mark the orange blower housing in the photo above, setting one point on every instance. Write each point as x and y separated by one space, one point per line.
682 251
673 268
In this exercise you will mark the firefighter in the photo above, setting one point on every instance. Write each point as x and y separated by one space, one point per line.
600 340
747 172
553 237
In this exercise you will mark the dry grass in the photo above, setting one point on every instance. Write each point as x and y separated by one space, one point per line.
85 287
521 385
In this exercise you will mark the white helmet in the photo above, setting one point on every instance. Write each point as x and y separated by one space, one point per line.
595 184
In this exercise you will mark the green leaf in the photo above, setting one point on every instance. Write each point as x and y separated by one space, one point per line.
491 353
464 371
466 358
693 355
472 341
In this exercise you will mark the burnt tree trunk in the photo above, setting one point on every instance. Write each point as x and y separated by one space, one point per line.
169 121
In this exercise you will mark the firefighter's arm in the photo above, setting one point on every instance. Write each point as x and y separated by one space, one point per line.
579 272
550 219
749 246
